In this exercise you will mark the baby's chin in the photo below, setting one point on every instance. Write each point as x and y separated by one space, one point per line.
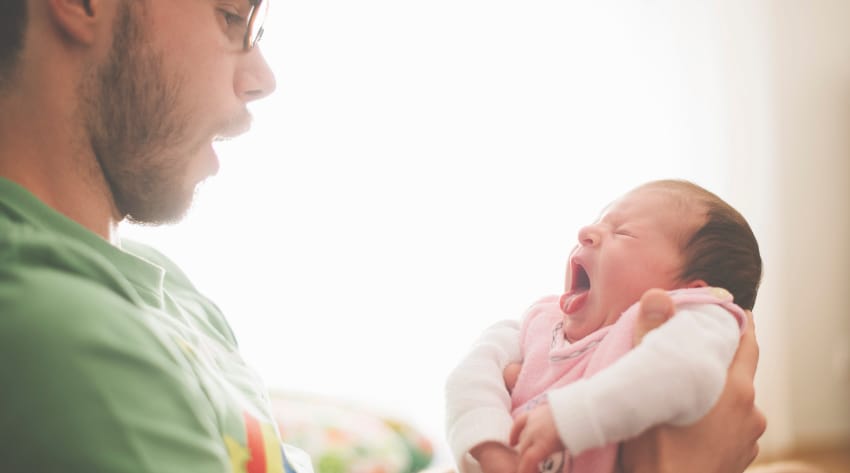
574 332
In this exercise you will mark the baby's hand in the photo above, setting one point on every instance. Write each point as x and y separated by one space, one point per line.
535 437
494 457
511 374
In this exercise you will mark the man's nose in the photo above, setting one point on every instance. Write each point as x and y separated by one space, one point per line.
254 79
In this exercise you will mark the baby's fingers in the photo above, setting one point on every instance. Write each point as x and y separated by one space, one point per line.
656 307
516 430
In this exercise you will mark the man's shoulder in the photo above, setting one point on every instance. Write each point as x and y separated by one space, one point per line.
51 316
39 267
77 353
39 302
51 285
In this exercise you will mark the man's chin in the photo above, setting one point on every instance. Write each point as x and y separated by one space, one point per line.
161 210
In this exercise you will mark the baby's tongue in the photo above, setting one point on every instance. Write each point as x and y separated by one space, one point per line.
567 301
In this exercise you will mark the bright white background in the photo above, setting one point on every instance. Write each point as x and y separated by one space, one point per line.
422 170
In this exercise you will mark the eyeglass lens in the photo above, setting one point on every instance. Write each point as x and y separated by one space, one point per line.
256 22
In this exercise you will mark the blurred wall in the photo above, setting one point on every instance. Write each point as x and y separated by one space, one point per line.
812 70
788 80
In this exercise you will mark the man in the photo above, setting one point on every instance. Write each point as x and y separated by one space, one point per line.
111 360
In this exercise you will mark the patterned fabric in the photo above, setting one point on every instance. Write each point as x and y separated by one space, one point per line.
345 438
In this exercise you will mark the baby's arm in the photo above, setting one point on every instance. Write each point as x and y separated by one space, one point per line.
478 404
674 376
725 440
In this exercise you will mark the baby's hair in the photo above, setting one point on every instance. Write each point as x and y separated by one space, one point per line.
723 250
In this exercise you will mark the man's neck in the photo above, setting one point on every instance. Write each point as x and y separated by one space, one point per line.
43 149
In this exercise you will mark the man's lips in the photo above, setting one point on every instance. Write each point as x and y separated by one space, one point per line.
234 126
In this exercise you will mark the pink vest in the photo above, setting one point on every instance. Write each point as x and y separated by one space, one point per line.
549 361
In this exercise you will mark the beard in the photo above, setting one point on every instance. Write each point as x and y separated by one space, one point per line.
136 131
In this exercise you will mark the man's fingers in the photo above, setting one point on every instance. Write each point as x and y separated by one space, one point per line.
526 466
529 460
760 424
747 357
656 307
755 452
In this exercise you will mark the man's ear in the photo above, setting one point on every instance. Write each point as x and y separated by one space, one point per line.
79 20
697 283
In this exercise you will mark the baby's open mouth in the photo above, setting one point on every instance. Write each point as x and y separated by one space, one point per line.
576 296
580 282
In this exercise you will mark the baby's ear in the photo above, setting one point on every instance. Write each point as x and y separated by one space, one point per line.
697 283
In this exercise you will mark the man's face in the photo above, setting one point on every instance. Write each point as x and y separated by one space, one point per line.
175 80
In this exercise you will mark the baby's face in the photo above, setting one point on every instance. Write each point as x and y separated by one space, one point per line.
633 247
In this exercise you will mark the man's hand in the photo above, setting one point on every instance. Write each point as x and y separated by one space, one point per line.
535 437
725 440
656 307
494 457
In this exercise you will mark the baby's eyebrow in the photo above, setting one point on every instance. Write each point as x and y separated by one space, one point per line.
610 217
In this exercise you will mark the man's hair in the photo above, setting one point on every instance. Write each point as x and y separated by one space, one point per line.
723 250
13 19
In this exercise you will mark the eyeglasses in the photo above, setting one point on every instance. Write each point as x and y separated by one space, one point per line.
254 31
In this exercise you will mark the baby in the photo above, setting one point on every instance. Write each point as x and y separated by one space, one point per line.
582 387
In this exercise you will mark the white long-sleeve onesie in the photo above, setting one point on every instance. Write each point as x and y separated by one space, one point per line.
674 376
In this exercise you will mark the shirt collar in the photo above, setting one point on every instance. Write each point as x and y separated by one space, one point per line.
21 206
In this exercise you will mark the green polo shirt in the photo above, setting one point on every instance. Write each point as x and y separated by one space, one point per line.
111 361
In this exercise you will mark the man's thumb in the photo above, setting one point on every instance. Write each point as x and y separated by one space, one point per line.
656 307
